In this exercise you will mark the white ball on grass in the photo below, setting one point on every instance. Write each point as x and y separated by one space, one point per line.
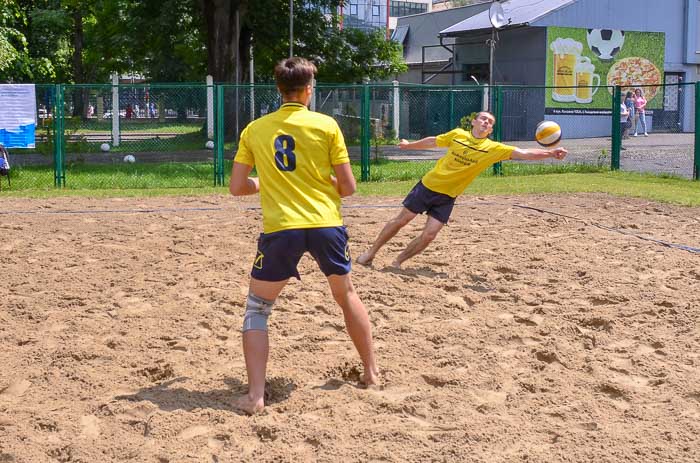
104 147
129 158
209 145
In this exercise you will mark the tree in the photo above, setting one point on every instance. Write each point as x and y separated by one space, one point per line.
85 41
14 53
173 32
352 54
346 55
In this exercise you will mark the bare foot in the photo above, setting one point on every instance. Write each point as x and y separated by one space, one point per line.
370 378
365 259
248 405
396 264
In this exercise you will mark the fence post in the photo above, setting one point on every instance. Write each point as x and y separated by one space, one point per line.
312 103
696 167
396 108
219 138
452 109
59 177
486 98
365 129
616 138
115 109
210 107
497 113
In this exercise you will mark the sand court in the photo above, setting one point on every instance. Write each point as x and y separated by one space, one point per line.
537 328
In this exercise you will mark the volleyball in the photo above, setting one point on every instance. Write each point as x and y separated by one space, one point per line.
547 133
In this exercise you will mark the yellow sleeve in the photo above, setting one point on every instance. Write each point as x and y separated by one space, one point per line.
503 152
339 152
244 155
443 140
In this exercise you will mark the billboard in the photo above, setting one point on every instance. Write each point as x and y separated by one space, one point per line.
17 115
586 63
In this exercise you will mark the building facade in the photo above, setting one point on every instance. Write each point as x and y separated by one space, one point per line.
621 42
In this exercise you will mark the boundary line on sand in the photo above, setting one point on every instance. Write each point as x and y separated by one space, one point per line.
668 244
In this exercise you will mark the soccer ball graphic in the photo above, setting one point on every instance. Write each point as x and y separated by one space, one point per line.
129 158
605 43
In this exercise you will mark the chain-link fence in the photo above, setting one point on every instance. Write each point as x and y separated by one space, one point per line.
660 137
585 133
34 168
185 135
414 112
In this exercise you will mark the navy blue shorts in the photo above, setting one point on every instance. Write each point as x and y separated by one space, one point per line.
437 205
279 252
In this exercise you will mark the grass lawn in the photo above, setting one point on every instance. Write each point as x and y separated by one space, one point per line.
388 178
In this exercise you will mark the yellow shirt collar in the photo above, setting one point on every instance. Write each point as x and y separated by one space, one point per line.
293 106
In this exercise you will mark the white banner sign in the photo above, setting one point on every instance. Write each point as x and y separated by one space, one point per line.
17 115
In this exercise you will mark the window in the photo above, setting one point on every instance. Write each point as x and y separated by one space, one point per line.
400 33
375 10
400 8
353 9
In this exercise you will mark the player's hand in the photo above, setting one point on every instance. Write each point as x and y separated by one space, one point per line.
559 153
403 143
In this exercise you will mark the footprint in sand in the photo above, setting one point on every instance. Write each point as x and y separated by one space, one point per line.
421 425
617 395
488 400
205 328
218 442
90 426
15 389
193 431
133 307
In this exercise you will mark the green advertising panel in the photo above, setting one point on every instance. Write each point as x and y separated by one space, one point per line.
585 63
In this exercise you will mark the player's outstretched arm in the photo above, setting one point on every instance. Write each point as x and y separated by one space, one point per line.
241 184
423 143
534 154
344 181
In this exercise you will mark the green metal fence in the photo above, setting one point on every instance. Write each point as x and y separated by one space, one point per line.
185 135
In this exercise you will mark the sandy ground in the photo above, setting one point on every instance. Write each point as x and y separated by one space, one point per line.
517 336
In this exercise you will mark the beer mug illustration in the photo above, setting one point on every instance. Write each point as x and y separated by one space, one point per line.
585 87
566 55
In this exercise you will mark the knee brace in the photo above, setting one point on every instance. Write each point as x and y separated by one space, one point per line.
257 311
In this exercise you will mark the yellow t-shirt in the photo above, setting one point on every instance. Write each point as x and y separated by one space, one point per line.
293 151
466 158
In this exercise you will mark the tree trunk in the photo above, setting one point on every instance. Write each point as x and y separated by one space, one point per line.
223 36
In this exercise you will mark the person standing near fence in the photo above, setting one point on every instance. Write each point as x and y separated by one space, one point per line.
640 104
303 171
625 123
468 154
629 102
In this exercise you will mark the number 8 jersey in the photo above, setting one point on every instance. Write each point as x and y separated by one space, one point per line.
293 151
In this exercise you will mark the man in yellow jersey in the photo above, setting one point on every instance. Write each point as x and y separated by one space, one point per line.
303 170
468 154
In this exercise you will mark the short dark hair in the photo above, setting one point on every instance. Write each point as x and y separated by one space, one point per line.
487 112
293 74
